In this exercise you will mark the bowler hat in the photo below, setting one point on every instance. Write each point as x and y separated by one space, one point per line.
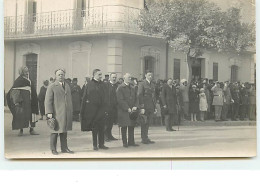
133 115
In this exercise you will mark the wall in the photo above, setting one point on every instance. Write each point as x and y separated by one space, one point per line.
8 65
49 61
132 54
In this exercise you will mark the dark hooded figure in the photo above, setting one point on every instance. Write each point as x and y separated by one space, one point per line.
23 103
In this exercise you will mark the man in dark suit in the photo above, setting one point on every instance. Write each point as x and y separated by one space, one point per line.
146 98
169 104
93 110
112 106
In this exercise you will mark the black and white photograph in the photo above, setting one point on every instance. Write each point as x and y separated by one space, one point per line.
128 79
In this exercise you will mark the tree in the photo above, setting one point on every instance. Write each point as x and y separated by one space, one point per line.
194 26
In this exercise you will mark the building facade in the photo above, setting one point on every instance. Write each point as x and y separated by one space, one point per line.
81 35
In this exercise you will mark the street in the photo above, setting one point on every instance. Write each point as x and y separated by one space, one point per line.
211 140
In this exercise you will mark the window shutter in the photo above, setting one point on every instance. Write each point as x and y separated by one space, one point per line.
215 71
177 69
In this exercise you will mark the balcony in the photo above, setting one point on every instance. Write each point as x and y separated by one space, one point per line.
103 19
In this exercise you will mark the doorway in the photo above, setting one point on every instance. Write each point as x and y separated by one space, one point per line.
149 64
31 63
196 68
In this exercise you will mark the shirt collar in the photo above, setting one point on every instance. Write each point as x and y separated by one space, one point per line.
148 81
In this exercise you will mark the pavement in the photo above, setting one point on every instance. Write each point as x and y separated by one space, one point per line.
194 139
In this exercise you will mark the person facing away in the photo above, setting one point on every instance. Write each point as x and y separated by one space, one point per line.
93 111
23 102
58 105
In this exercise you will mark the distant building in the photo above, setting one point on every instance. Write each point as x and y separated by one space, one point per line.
81 35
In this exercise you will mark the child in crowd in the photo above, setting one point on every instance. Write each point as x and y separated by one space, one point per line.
203 104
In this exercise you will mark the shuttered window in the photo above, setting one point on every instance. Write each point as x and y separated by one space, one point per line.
234 73
34 11
177 69
215 71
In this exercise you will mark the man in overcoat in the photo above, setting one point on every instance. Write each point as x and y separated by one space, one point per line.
23 103
93 110
147 101
58 105
169 102
235 92
127 103
111 87
76 98
227 101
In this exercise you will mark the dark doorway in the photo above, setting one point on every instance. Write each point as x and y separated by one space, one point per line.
196 68
149 63
31 63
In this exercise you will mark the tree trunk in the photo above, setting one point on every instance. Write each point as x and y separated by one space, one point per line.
189 67
167 59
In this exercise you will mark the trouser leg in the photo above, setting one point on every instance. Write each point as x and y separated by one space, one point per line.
101 139
167 120
124 137
131 138
63 141
94 137
53 141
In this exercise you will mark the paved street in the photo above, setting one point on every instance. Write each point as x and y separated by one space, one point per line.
194 140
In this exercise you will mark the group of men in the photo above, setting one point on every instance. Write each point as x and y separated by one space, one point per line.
102 105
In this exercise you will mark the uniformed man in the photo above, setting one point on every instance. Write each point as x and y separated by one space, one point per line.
112 106
146 98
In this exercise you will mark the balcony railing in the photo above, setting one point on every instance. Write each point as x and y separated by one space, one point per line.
103 19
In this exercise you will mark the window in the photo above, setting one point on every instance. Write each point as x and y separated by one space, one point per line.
215 71
234 71
83 8
34 11
176 69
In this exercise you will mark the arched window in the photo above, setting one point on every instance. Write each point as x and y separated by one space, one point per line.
234 73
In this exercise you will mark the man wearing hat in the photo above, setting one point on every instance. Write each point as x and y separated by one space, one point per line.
76 98
235 92
127 110
217 100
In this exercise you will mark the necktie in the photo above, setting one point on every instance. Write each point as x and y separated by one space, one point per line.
63 85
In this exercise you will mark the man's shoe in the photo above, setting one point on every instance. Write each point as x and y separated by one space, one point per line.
145 142
107 140
133 144
20 133
54 152
67 151
151 142
103 147
171 129
95 148
34 133
125 145
112 138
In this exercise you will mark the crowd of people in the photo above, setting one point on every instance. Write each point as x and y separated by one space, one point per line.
126 102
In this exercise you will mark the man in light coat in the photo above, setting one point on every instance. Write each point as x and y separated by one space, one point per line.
58 105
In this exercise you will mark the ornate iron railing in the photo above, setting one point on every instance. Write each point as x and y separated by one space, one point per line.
102 19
